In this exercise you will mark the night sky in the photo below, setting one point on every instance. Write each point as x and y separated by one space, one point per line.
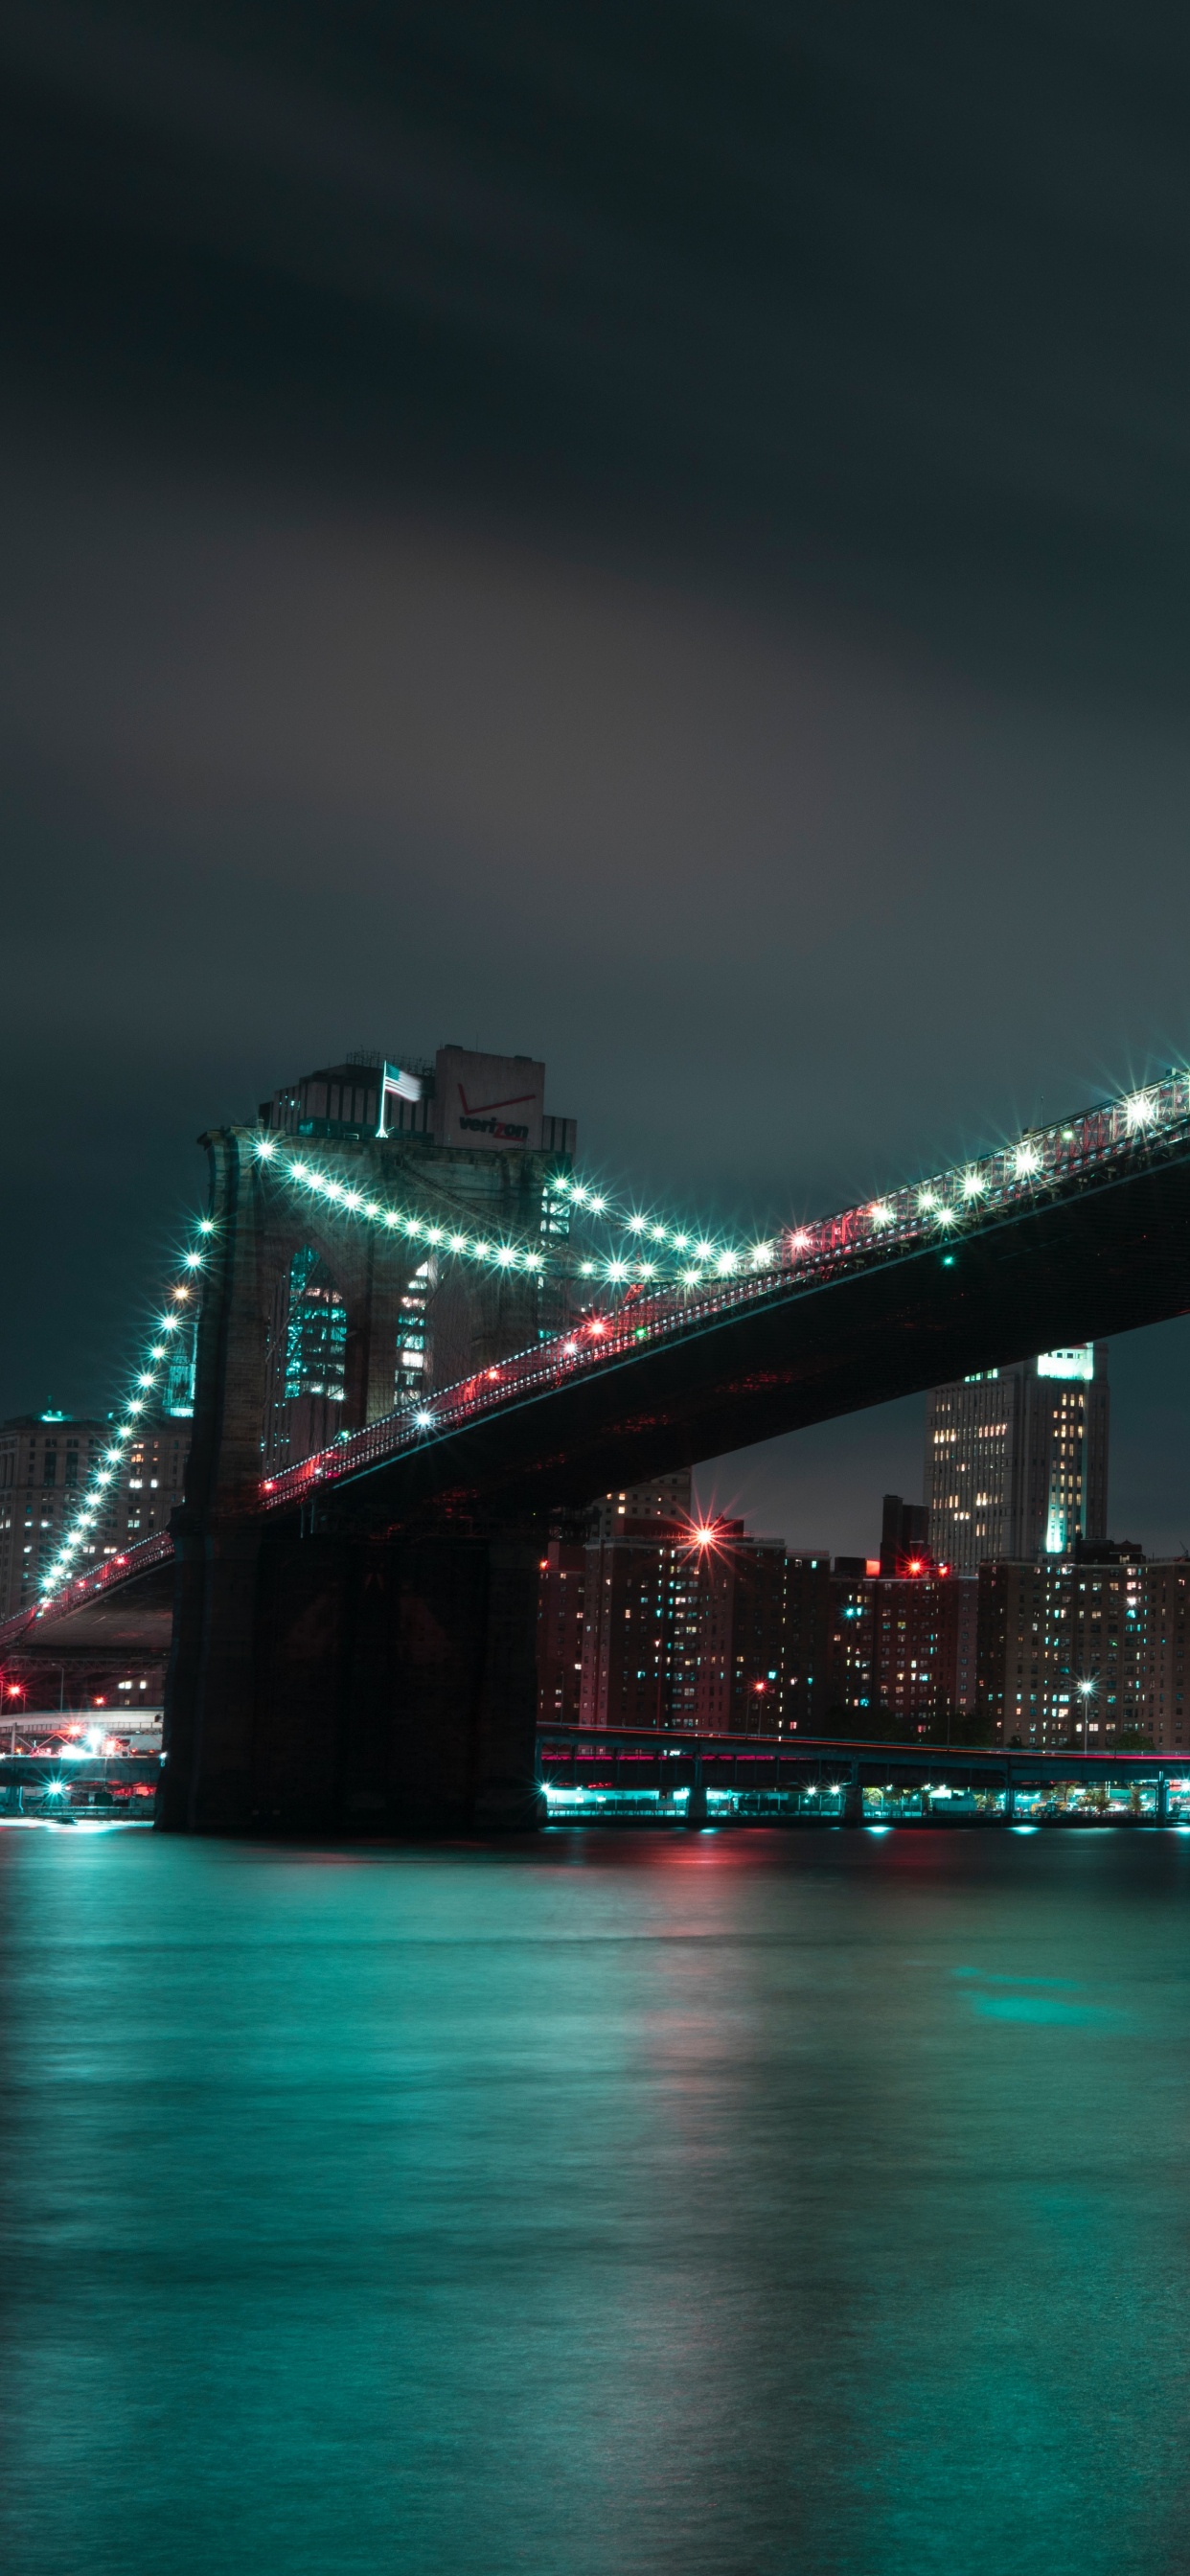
653 536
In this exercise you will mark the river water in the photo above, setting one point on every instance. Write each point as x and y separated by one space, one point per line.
749 2201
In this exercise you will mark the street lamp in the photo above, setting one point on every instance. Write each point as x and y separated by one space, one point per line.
1086 1692
14 1693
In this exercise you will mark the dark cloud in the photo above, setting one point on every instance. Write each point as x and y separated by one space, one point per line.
657 535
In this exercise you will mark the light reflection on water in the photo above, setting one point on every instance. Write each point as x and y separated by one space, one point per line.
757 2201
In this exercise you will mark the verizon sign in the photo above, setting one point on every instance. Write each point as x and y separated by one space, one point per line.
488 1101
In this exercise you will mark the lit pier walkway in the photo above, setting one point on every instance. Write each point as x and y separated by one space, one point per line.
683 1779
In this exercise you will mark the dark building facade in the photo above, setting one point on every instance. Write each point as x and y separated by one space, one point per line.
640 1629
808 1642
1086 1647
904 1537
657 1621
561 1615
902 1649
740 1627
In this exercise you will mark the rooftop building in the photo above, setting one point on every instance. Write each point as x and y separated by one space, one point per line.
1016 1459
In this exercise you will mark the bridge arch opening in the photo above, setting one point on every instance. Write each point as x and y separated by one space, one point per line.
305 1361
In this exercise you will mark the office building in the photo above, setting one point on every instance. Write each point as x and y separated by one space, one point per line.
740 1628
1016 1459
656 1512
808 1634
655 1622
662 1498
1163 1668
1064 1649
640 1631
561 1612
464 1100
902 1635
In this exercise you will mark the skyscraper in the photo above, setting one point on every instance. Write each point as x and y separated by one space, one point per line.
1016 1459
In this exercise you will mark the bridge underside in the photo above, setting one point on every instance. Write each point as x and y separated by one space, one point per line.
129 1621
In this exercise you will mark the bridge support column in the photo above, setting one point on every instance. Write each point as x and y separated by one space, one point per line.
209 1686
343 1684
853 1799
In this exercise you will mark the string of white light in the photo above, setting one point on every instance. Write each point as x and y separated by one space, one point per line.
146 1383
699 1256
657 1253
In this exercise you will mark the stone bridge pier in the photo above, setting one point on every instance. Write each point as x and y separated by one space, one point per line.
326 1681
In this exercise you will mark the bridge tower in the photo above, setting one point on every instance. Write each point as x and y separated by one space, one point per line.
329 1672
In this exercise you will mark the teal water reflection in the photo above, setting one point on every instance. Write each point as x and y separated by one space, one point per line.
760 2202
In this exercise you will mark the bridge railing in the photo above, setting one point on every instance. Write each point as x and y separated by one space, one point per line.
1048 1160
147 1552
